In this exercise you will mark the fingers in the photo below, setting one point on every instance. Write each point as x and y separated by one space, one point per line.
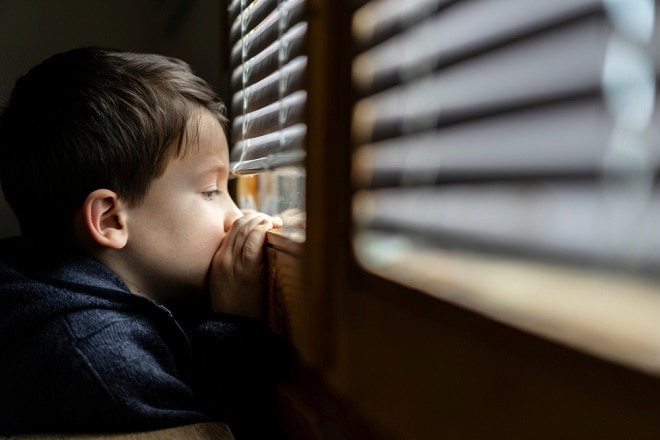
276 220
236 281
244 243
249 240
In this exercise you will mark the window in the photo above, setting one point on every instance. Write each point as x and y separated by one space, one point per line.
434 104
505 156
268 101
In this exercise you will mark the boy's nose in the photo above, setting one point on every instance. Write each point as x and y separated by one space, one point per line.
232 214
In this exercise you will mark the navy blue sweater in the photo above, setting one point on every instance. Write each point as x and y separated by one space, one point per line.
80 353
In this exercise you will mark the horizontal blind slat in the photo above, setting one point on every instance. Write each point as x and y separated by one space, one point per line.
377 21
278 84
560 141
279 20
564 63
282 148
283 113
269 162
464 29
592 221
272 58
256 12
233 10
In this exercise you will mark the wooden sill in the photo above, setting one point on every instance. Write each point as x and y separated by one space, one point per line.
614 316
287 238
284 250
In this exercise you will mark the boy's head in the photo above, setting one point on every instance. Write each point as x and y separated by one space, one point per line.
94 118
124 157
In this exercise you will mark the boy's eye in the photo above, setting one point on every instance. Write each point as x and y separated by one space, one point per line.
210 194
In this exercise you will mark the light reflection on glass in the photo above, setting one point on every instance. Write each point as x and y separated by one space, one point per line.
634 18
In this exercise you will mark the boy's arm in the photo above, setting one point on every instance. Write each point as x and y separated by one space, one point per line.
124 377
241 359
150 383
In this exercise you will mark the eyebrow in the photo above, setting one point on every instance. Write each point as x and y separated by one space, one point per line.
214 169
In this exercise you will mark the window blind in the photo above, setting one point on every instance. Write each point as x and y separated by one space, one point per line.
268 64
509 126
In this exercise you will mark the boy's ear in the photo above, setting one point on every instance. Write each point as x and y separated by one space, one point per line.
105 218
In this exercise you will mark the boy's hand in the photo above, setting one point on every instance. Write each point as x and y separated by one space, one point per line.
237 271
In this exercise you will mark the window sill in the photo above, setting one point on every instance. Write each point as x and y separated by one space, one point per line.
284 251
614 316
289 239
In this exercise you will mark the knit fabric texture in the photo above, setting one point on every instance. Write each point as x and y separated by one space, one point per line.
81 353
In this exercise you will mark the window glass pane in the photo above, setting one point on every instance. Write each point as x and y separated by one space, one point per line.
273 192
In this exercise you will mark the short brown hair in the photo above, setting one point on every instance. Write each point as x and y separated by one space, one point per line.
94 118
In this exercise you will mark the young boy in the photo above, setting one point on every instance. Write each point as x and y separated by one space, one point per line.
116 166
